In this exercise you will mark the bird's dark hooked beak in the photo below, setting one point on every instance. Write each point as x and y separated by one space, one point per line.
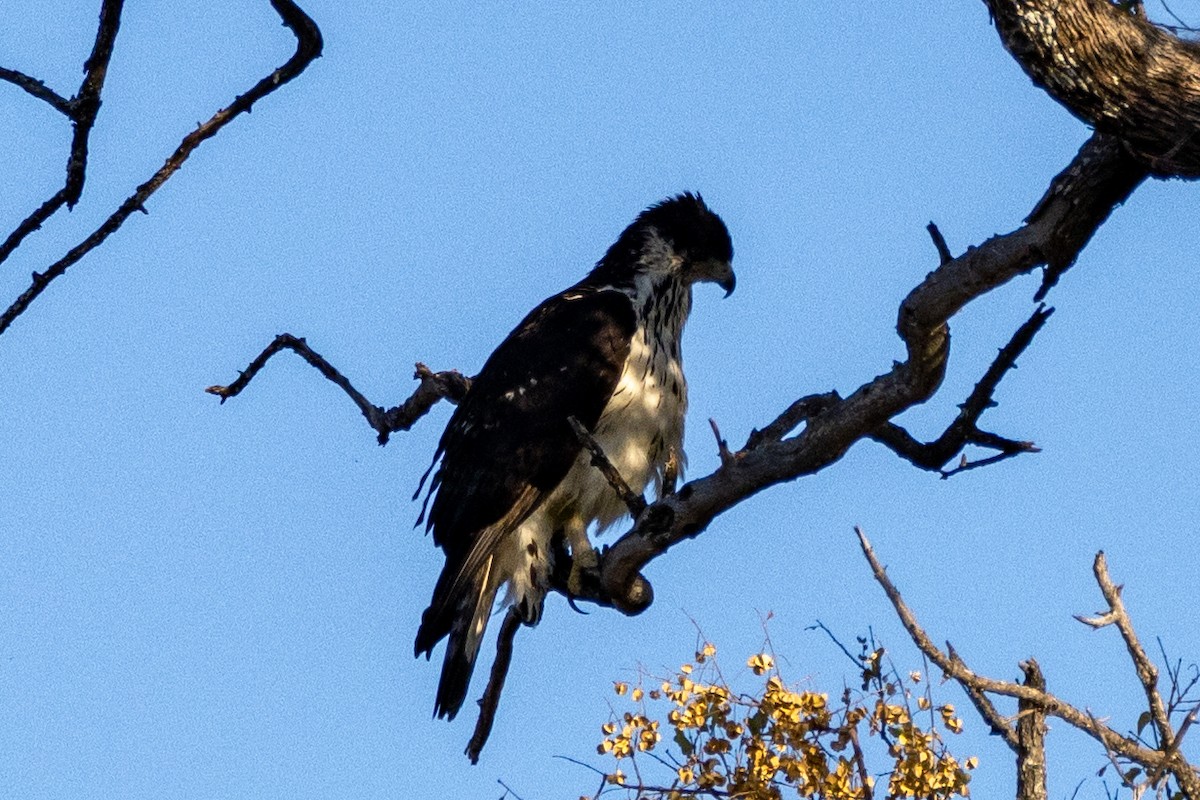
729 283
713 270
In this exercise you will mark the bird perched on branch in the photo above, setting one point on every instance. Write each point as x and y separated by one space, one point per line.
513 475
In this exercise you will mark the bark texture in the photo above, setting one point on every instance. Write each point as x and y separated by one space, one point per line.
1114 70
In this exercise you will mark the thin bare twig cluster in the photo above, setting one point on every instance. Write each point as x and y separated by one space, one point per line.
1142 766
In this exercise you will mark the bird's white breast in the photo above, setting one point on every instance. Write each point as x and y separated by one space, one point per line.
639 429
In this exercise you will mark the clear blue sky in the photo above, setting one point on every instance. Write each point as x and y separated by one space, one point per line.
219 602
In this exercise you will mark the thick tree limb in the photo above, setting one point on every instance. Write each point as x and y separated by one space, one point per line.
308 48
434 387
1114 70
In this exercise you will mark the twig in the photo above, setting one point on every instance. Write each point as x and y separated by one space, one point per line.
723 453
491 695
1146 671
38 89
635 502
508 790
820 626
1112 758
939 242
1182 26
308 48
1011 448
434 387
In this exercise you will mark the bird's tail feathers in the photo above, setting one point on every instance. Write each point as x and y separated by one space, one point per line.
468 618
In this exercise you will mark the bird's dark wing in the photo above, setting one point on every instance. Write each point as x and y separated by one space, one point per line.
509 444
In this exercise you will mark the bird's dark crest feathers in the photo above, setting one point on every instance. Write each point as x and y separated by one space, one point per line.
684 220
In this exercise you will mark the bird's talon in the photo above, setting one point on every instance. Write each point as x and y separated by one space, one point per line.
582 562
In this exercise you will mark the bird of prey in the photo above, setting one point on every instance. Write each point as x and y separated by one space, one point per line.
513 475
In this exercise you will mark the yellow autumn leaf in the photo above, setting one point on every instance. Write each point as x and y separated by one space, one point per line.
760 663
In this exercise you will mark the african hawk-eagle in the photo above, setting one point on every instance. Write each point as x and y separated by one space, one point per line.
513 476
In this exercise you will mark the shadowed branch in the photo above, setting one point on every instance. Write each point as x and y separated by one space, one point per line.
635 502
491 695
965 428
434 386
82 111
308 48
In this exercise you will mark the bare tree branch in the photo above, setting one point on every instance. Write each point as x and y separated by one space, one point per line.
86 104
491 695
82 111
993 718
954 667
434 386
939 242
38 89
308 48
965 428
635 502
1146 671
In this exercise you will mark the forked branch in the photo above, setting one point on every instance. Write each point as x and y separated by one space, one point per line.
965 429
308 48
81 110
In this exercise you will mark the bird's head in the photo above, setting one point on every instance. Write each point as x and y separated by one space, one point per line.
679 237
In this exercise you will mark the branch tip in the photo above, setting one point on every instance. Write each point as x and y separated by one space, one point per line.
939 242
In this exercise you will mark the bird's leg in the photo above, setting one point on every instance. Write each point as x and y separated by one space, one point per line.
583 555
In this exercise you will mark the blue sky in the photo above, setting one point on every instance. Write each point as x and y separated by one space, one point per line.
200 601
